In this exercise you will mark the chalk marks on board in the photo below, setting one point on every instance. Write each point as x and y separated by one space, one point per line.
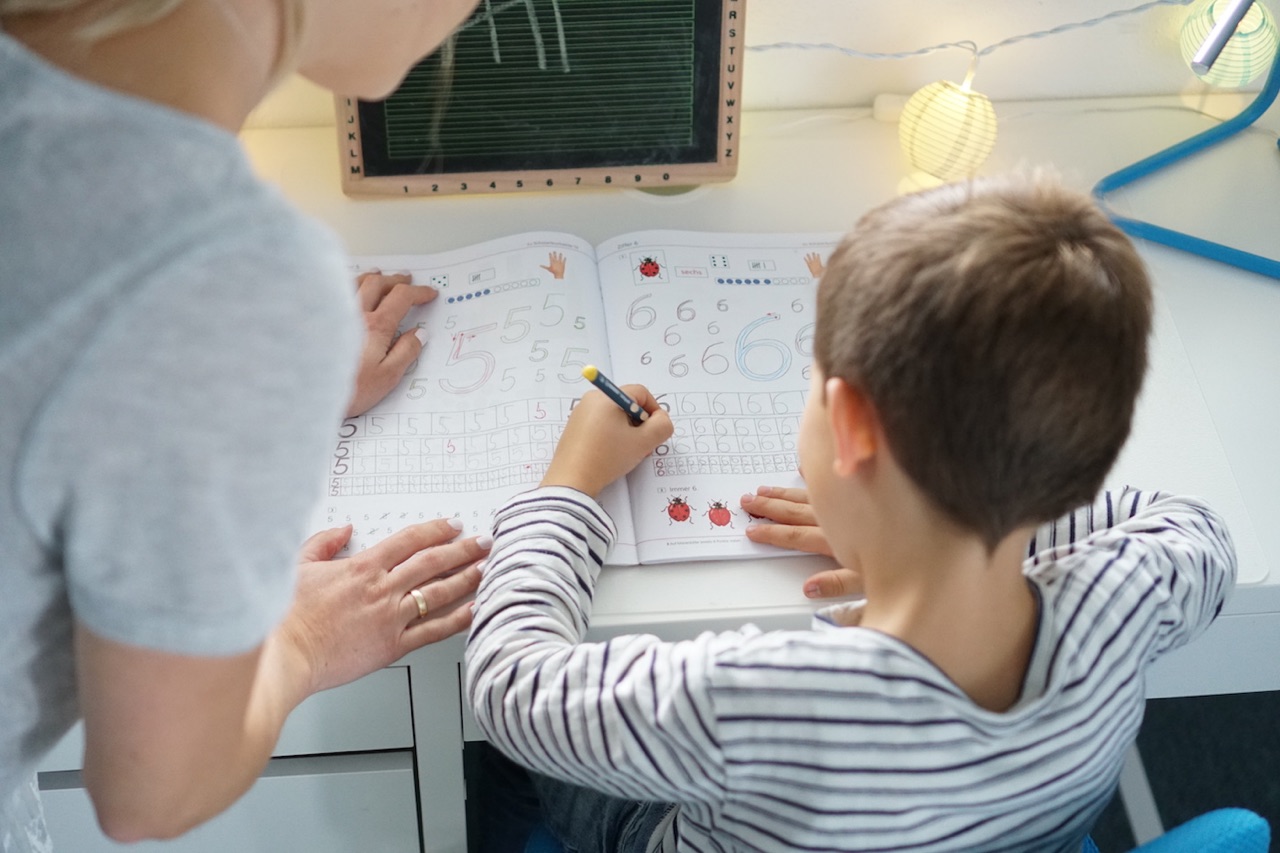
554 94
488 18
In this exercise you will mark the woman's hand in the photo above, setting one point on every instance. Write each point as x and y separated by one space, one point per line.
171 740
385 300
796 527
355 615
599 444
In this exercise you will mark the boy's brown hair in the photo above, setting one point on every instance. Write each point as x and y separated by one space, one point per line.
999 327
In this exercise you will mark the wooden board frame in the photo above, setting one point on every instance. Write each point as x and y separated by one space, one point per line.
355 182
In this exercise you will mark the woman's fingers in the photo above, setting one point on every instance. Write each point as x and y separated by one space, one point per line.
404 543
324 545
440 560
436 628
406 348
371 287
435 597
398 299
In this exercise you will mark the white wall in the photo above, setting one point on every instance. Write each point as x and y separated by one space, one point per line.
1134 55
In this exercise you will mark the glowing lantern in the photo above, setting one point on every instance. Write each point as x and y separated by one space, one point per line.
947 130
1247 54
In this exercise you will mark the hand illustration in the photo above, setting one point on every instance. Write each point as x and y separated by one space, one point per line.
814 262
555 265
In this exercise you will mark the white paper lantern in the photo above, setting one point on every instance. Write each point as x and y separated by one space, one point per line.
947 130
1246 55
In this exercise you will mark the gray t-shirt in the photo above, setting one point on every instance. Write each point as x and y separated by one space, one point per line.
176 348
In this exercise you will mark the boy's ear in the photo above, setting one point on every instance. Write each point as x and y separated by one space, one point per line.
853 422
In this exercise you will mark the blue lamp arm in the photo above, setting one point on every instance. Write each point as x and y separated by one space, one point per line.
1181 151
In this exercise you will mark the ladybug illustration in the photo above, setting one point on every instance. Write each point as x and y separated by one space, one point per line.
677 509
720 515
649 268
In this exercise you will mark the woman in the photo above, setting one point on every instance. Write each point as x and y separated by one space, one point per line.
177 345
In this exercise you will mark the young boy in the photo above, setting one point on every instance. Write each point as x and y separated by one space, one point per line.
978 352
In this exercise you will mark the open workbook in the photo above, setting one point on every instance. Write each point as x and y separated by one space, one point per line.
718 326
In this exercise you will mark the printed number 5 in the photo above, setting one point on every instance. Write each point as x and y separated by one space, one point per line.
572 362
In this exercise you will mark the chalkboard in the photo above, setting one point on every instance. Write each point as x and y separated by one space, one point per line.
555 94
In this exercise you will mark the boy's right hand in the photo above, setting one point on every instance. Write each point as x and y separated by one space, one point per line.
599 444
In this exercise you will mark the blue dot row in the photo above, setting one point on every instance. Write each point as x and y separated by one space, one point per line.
744 281
467 296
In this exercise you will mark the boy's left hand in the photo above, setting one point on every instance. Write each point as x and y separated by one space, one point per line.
599 444
385 300
797 528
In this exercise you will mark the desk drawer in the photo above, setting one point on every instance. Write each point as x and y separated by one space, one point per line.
330 804
368 715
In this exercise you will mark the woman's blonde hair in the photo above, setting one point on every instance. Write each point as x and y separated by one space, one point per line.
116 16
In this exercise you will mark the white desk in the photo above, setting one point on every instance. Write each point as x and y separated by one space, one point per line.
1204 424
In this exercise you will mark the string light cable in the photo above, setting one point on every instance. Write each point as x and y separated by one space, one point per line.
970 46
948 130
952 149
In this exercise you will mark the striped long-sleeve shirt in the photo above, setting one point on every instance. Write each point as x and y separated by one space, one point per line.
842 738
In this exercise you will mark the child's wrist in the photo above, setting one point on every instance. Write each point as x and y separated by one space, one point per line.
571 480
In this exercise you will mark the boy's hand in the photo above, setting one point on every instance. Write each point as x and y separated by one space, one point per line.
599 444
796 527
385 300
833 583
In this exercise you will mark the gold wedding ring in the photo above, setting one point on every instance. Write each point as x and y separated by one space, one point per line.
421 600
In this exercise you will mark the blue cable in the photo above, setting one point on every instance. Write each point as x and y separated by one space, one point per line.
1181 151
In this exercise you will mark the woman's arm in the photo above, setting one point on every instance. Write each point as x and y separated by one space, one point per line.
172 740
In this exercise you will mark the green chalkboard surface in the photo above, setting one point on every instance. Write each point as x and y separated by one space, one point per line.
554 94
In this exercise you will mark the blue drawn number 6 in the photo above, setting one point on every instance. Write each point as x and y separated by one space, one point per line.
743 346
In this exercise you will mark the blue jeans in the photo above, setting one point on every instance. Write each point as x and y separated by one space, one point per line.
502 808
587 821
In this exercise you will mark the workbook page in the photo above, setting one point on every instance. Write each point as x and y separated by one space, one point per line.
475 420
720 328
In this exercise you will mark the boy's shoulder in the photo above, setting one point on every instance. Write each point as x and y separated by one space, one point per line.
833 654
